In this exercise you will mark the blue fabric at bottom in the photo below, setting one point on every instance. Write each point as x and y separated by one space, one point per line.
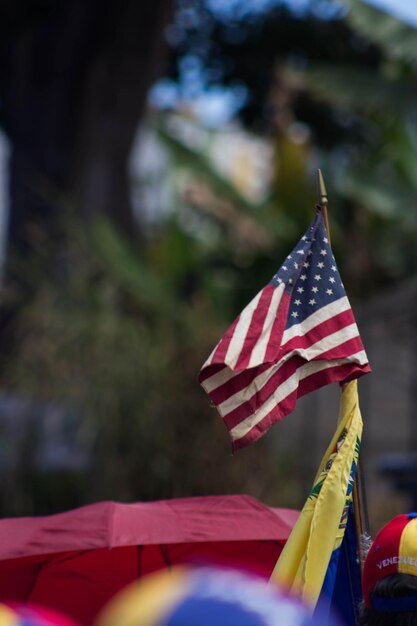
211 612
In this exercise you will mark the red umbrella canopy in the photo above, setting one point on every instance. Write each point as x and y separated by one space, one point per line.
76 561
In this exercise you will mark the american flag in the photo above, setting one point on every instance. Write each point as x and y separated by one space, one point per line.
297 334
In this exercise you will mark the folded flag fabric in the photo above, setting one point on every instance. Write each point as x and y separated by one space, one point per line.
346 595
308 563
297 334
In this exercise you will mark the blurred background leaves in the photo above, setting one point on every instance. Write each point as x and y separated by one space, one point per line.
117 287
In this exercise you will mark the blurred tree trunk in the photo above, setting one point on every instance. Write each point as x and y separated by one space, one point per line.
74 77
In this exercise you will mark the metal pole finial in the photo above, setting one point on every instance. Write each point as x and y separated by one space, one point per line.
321 189
322 194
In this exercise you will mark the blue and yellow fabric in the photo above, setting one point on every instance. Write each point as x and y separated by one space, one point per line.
204 597
308 564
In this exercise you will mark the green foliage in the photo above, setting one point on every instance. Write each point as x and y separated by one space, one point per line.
198 162
362 89
109 339
119 331
378 179
397 38
128 269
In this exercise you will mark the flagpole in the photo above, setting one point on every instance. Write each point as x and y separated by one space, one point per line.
322 194
358 501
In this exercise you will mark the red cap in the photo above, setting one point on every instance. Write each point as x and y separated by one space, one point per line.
394 551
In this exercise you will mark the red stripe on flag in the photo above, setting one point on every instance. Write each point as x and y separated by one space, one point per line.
236 383
287 369
255 327
336 374
342 373
210 370
223 345
278 412
253 404
342 350
274 344
319 332
250 406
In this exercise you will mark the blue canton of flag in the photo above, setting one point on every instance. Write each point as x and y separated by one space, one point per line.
310 274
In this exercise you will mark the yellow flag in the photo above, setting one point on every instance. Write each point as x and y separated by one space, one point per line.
319 531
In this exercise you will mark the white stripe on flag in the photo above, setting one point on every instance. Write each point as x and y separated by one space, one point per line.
322 315
211 356
325 344
218 379
258 353
239 335
246 394
288 387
